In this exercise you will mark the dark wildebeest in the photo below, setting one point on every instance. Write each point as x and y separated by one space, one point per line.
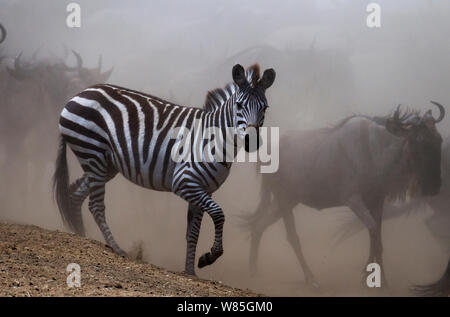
438 288
438 223
46 83
358 163
32 93
2 33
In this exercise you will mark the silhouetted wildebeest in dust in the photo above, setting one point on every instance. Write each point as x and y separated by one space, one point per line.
438 223
358 163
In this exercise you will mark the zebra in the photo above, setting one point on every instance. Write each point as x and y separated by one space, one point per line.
112 130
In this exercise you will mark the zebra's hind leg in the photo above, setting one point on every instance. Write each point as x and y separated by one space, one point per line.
194 221
97 209
78 191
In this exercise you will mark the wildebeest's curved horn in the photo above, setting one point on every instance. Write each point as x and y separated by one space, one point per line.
18 72
65 51
3 33
441 111
107 74
312 47
99 66
397 114
17 61
79 60
35 53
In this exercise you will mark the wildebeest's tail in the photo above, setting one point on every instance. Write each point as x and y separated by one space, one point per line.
249 221
347 229
61 191
439 288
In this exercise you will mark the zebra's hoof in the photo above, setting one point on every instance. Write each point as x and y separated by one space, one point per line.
190 273
120 252
205 260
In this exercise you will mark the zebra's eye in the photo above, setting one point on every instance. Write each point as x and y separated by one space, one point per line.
239 106
265 108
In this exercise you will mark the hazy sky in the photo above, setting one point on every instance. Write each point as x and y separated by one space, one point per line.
180 49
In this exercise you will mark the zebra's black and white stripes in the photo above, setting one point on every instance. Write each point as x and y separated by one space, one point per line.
114 130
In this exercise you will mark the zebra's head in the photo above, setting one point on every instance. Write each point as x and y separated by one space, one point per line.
251 103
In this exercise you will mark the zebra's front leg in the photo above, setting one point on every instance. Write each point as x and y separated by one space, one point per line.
218 218
200 198
194 221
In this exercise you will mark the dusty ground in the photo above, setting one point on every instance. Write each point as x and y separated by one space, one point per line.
33 262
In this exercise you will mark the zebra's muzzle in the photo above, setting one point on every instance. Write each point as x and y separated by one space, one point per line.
252 139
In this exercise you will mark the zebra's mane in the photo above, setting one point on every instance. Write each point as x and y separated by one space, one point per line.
253 74
217 97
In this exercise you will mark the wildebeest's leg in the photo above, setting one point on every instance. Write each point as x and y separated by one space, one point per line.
439 222
356 204
376 246
260 225
259 221
97 209
194 221
292 237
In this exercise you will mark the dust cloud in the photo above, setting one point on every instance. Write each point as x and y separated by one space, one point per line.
329 64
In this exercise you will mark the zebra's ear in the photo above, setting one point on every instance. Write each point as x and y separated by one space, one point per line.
267 79
239 76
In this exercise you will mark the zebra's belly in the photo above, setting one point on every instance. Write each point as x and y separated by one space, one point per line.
221 176
162 179
157 172
209 176
151 176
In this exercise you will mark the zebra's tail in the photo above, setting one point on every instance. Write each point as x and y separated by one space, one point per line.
62 193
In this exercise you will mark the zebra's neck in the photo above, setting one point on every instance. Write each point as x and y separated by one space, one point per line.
223 118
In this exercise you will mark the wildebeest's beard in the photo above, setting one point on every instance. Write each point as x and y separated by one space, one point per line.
423 146
425 151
